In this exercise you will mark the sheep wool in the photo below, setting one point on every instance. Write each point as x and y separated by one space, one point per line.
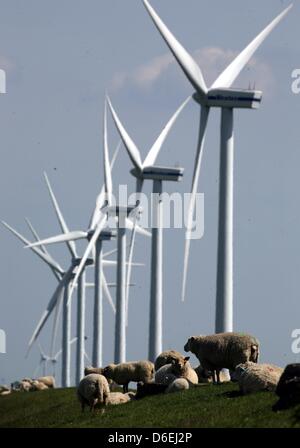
254 377
116 398
223 350
166 358
126 372
93 390
178 385
49 381
183 369
165 375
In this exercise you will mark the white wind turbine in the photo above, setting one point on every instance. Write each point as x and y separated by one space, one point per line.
55 303
221 95
95 235
147 170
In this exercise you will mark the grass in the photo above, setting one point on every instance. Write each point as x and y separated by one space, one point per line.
202 407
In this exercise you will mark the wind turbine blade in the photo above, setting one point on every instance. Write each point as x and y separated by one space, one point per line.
130 146
49 308
101 197
107 169
199 154
63 225
114 263
55 323
42 351
229 75
139 229
129 268
65 237
43 248
107 292
154 151
87 357
46 258
184 59
88 250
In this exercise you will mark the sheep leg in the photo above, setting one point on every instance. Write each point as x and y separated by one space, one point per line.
218 376
125 388
214 376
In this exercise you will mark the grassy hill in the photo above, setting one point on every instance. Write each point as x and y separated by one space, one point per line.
203 407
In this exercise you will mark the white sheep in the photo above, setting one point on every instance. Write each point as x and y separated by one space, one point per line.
179 368
93 390
37 386
178 385
49 381
166 358
223 350
116 398
126 372
253 377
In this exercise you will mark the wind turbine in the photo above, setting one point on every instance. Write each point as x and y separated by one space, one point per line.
95 235
157 174
220 95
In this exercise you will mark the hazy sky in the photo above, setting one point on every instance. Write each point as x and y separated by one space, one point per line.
60 57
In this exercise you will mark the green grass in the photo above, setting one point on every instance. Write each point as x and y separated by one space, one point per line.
202 407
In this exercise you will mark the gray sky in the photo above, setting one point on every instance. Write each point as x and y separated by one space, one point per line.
60 57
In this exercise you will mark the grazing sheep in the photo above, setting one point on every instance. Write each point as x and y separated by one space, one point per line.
49 381
253 377
99 370
178 385
129 371
93 390
223 350
119 398
166 358
143 390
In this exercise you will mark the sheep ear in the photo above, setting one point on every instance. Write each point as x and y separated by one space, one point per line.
186 358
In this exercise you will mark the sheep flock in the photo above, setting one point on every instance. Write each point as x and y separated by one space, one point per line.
222 357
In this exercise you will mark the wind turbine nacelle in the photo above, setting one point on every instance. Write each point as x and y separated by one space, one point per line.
160 173
232 98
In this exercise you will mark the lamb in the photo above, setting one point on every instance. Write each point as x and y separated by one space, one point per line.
179 368
93 390
223 350
254 377
178 385
116 398
129 371
49 381
166 358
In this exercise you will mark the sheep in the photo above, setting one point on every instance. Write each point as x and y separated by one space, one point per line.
3 392
253 377
116 398
288 388
93 390
49 381
99 370
183 369
25 385
177 385
166 358
129 371
37 386
146 389
179 368
223 350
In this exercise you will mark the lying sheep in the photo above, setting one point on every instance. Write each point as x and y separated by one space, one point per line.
3 393
126 372
25 385
93 390
49 381
143 390
179 368
178 385
183 369
253 377
166 358
223 350
37 386
116 398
